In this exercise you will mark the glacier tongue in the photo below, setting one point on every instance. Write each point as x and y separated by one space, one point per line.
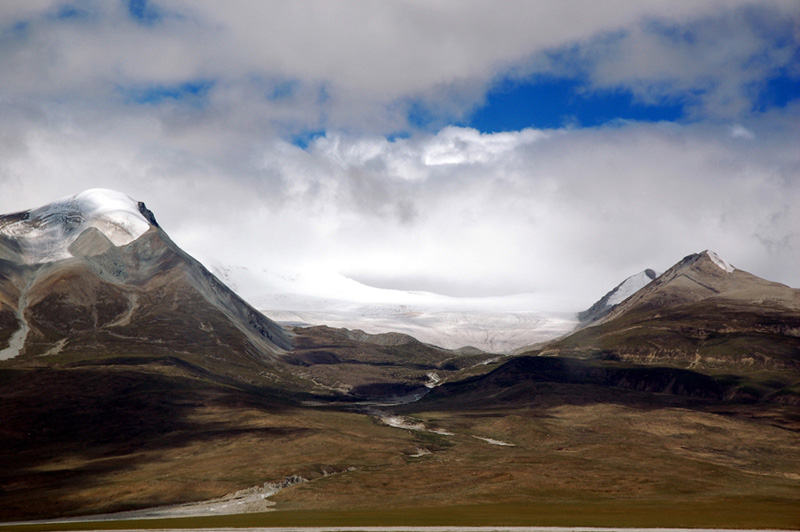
495 324
45 234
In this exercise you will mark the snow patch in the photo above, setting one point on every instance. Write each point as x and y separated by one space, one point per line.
45 234
719 261
56 349
433 379
400 422
492 441
490 331
248 500
16 342
493 324
421 451
630 286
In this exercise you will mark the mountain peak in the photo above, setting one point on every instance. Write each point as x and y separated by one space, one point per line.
705 258
701 276
93 265
45 234
719 261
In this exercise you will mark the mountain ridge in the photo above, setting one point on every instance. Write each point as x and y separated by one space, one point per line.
700 313
701 276
77 289
89 265
617 295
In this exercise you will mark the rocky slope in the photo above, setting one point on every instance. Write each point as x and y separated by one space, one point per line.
707 277
706 315
93 275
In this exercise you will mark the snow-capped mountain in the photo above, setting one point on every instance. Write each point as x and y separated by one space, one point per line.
707 276
617 295
94 272
92 280
493 324
700 312
46 234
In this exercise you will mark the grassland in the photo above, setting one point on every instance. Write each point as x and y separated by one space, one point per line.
581 454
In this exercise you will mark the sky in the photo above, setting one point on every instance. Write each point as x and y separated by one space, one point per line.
462 147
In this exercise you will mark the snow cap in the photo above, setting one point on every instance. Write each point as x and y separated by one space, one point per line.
719 261
45 234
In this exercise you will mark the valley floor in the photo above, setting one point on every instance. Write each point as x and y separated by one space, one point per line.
492 450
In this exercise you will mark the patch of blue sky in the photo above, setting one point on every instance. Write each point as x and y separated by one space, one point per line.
143 12
398 135
193 92
19 29
674 33
421 116
323 96
549 103
284 90
305 137
779 91
276 89
69 12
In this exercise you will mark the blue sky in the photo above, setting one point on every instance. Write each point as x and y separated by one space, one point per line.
481 148
545 99
778 92
556 103
190 91
564 102
547 102
143 11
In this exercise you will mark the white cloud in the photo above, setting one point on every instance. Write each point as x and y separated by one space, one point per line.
716 63
566 214
356 66
453 145
738 131
563 213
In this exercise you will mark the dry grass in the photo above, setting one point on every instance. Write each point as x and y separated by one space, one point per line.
119 440
582 454
576 453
